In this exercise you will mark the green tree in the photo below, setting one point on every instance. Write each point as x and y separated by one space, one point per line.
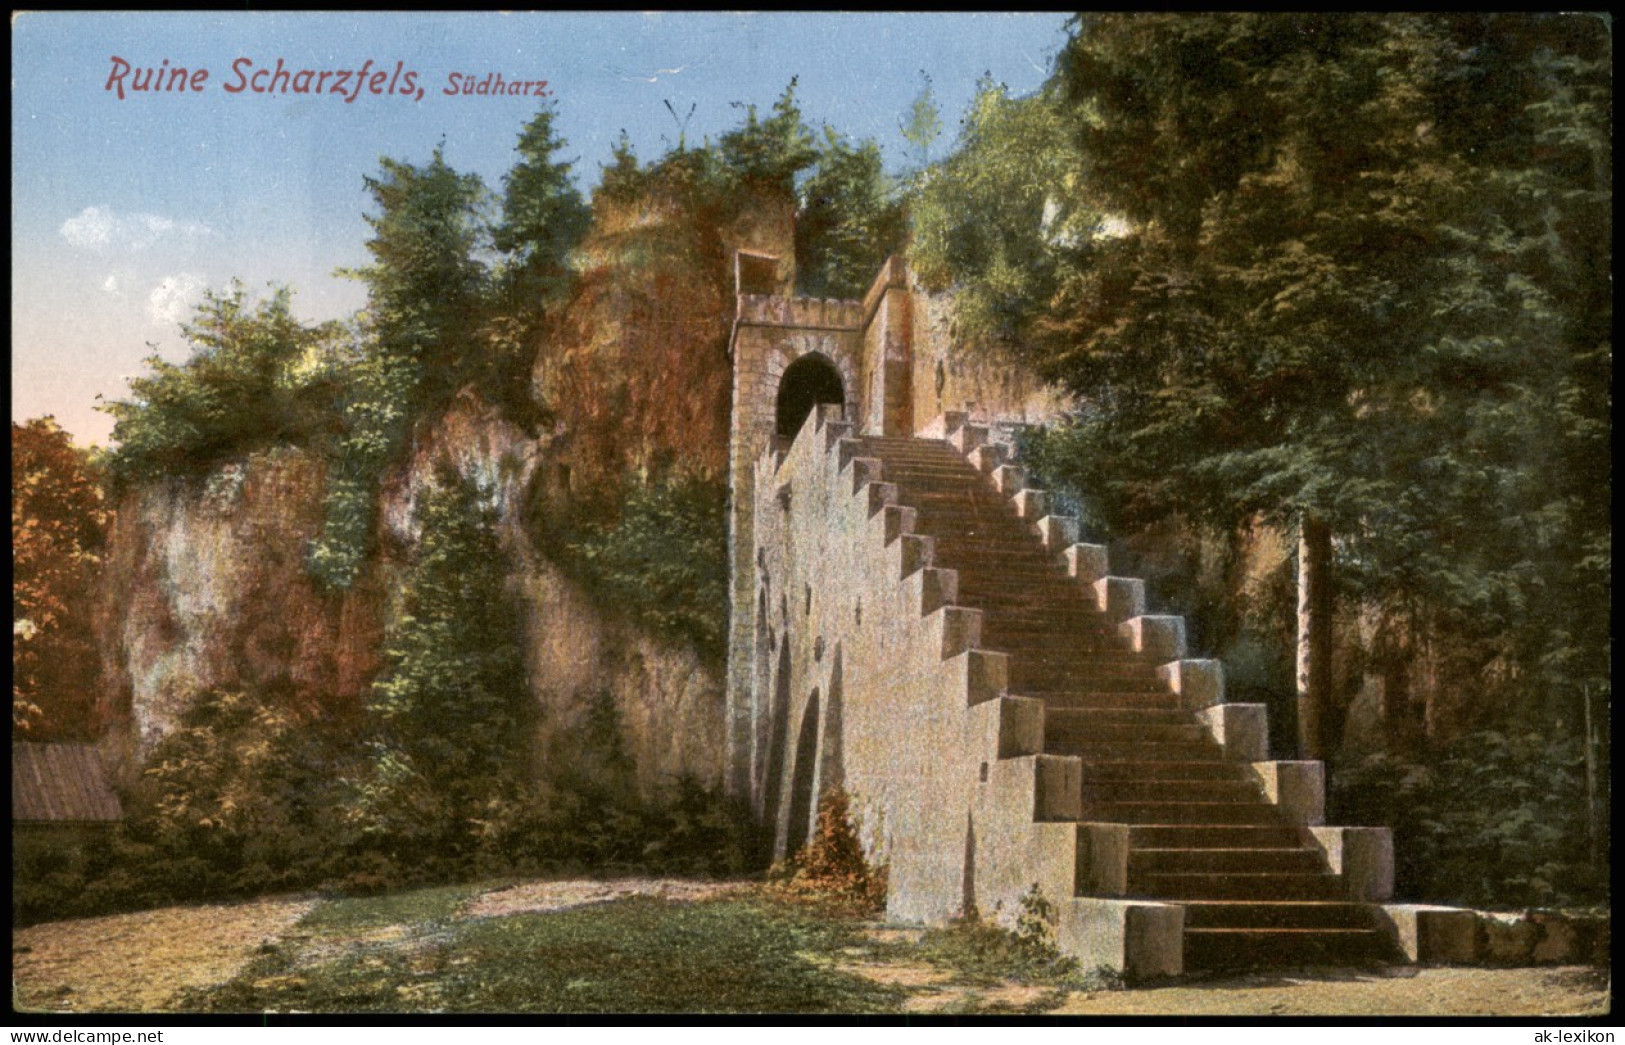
419 341
426 284
849 220
543 217
451 701
923 125
997 218
1361 284
256 376
769 154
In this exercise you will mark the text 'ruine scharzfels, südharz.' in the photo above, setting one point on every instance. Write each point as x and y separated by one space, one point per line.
248 77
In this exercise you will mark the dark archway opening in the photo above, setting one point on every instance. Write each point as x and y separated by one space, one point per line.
802 777
807 382
773 784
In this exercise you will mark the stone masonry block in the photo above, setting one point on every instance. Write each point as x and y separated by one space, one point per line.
943 425
1008 478
914 553
986 674
1138 940
968 437
1102 861
1197 683
896 520
1005 727
960 627
1241 729
865 470
1509 938
1087 563
880 496
1058 532
1031 504
835 431
988 457
1297 788
938 588
1162 637
828 412
1429 934
846 450
1364 856
1120 598
1057 787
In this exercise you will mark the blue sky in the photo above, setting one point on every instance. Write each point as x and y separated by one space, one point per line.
125 210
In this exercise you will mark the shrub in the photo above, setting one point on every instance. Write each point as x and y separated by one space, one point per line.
665 561
1494 820
832 867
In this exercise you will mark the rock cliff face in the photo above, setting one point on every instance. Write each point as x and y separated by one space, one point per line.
206 587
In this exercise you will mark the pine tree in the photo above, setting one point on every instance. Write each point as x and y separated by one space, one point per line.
452 698
543 218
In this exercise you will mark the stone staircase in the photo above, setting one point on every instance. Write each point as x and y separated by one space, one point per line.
1178 800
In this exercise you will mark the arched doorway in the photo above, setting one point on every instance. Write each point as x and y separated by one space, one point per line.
807 382
803 780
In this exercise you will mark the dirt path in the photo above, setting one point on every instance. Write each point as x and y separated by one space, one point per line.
1565 991
139 962
142 962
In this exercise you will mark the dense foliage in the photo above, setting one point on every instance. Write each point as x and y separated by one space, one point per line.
1493 819
449 706
850 218
256 377
665 560
995 221
425 291
58 525
1351 266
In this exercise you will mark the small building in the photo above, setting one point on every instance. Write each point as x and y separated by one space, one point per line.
61 800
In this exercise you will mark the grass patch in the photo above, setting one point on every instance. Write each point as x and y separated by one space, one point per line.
984 955
437 904
642 954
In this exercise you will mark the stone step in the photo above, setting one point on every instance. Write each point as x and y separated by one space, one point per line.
1168 716
1213 770
1098 791
1134 753
1061 729
1303 860
1238 885
1104 701
1032 672
1215 836
1080 650
1212 949
1279 914
1197 813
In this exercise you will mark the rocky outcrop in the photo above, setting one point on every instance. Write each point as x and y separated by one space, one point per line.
206 587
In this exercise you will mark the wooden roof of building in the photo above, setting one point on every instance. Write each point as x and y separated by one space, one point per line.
60 783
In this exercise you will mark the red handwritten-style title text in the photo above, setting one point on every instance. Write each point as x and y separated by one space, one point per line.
248 77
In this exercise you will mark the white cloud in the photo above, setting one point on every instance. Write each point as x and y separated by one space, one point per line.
100 229
172 299
90 229
110 284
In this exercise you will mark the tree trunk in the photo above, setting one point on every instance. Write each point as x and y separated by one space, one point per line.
1314 633
1593 850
